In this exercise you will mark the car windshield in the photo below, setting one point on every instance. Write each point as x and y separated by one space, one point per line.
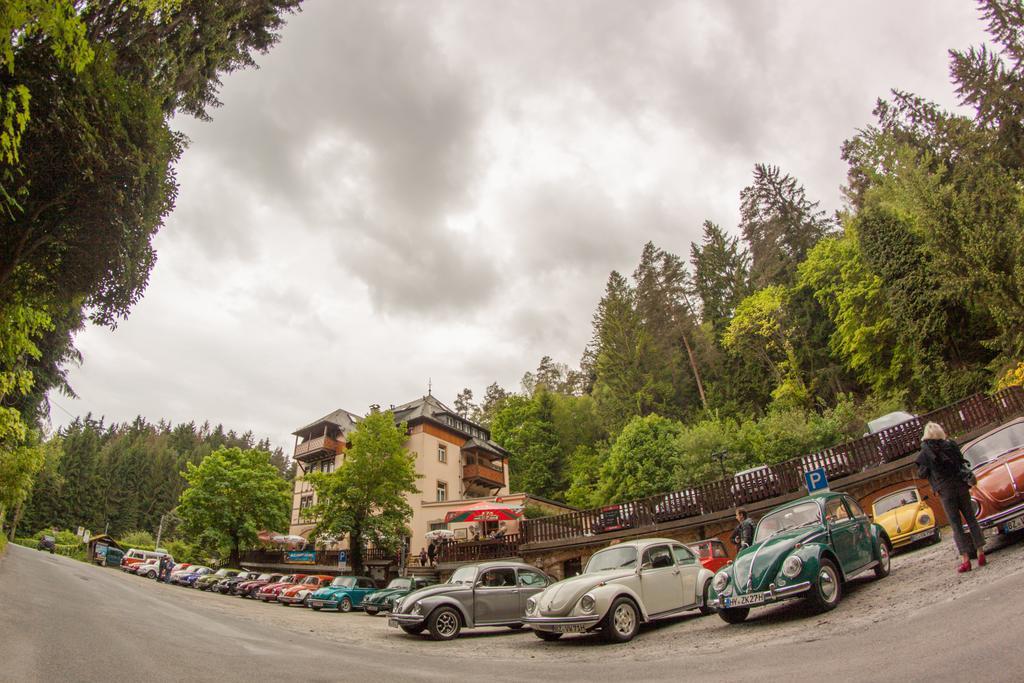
895 500
312 579
266 577
994 445
401 584
612 558
464 575
223 572
344 582
803 514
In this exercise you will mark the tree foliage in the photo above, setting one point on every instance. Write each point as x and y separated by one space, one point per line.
232 495
366 498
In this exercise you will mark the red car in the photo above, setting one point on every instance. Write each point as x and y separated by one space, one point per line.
247 589
270 592
997 459
299 593
712 553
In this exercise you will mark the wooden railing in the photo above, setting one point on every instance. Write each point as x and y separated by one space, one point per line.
488 474
959 419
320 443
479 551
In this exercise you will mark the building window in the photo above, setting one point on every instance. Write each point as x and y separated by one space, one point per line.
442 452
305 503
442 492
438 525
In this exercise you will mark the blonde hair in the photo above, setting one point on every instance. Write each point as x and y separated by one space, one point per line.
933 430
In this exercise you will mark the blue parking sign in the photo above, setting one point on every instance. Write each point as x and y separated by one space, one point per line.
816 480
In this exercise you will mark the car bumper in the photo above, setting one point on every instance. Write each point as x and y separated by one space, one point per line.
767 597
404 619
913 537
290 599
563 624
1000 520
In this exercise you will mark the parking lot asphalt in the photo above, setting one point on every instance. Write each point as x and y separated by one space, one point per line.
65 620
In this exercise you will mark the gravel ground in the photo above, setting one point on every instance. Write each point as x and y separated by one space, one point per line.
920 577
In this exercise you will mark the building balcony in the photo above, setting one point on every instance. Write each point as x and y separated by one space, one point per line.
318 445
483 475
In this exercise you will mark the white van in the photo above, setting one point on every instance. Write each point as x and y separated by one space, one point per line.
135 557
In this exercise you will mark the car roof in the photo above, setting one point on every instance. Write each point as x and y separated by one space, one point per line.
642 542
498 563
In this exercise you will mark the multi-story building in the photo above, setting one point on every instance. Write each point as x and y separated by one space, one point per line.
456 459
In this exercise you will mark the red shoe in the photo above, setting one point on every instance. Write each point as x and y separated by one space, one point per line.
964 567
981 559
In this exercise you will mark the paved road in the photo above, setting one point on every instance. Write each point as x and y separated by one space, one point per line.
62 620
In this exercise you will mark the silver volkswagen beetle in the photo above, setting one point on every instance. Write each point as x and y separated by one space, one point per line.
623 586
485 594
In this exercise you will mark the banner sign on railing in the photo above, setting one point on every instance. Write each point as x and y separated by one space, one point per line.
300 557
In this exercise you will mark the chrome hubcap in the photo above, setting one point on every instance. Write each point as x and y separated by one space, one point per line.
885 557
447 623
346 605
827 584
624 619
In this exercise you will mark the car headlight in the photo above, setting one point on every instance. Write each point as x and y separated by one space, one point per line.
587 603
977 507
720 581
531 606
792 566
924 520
417 608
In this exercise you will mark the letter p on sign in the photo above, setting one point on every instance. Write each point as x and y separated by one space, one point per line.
816 480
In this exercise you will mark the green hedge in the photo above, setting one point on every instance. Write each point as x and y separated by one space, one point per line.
3 544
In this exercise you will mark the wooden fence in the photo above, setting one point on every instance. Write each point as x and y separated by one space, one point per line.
961 418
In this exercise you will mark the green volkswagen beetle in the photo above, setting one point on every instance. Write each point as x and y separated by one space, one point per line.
384 600
807 548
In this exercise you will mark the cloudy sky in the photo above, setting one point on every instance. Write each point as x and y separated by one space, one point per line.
438 190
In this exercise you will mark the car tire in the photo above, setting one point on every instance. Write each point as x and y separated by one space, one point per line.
414 630
937 538
884 565
827 588
734 615
622 622
547 636
305 601
444 623
345 605
316 609
150 575
705 608
372 611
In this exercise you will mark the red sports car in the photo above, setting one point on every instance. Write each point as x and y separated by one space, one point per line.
270 592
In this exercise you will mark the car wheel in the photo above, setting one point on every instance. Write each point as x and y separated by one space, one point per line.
734 615
315 609
622 621
414 630
345 605
705 607
547 636
305 601
444 623
827 589
372 611
151 575
884 561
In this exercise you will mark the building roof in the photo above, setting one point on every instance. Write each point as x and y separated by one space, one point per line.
342 418
430 408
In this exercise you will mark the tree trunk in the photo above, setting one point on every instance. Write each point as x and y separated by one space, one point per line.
696 372
355 550
235 558
17 518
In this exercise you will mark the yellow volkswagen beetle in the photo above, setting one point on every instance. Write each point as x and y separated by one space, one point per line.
905 517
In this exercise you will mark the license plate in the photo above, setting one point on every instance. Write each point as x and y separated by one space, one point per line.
393 623
744 600
1014 525
990 532
922 535
316 603
569 628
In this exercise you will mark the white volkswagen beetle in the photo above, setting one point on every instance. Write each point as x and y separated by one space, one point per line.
623 586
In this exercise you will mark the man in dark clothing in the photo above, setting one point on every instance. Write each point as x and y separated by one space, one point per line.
942 463
431 552
161 568
744 533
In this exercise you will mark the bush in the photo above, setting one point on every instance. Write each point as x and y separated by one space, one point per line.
3 544
143 540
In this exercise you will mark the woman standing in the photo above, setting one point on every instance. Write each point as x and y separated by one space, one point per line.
946 469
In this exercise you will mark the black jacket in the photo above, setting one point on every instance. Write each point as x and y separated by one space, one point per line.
941 462
744 534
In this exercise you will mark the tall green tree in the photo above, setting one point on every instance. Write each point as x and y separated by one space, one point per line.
525 427
779 224
366 499
720 276
643 460
232 495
